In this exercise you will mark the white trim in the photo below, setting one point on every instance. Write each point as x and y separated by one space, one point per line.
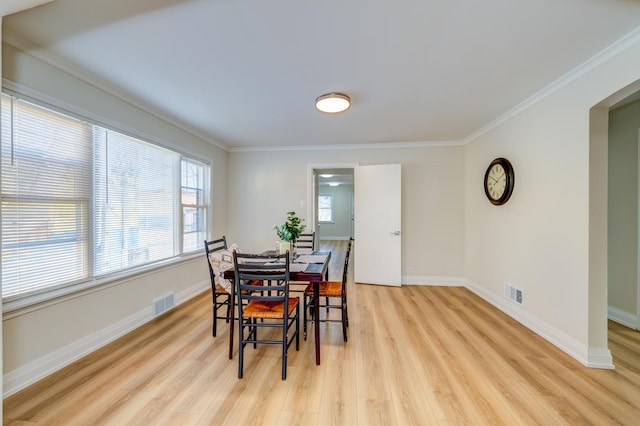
622 317
433 281
599 358
27 304
12 39
614 49
34 96
601 57
637 313
590 357
311 188
393 145
9 7
30 373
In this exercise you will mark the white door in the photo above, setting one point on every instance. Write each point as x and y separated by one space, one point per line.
377 253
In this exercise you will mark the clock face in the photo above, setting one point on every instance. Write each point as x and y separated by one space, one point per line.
499 181
496 181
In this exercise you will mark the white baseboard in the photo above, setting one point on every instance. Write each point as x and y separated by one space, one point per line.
623 317
600 358
30 373
589 356
433 281
38 369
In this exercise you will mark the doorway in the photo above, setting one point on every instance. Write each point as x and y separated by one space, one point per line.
602 259
623 213
331 216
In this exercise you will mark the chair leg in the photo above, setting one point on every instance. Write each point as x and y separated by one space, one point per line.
240 348
284 348
304 313
309 315
344 322
254 333
298 327
346 311
214 330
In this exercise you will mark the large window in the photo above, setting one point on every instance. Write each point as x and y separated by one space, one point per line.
80 201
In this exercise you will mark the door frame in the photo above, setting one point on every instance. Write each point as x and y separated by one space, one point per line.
637 312
312 190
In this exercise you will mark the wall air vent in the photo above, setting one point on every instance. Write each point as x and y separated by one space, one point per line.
163 304
513 293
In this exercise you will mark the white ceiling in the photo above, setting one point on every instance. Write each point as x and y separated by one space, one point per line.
245 73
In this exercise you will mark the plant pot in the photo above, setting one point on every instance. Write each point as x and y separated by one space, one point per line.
286 246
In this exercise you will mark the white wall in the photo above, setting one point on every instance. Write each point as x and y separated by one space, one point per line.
544 239
265 185
42 338
624 123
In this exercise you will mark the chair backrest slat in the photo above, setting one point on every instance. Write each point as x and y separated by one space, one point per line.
306 241
272 270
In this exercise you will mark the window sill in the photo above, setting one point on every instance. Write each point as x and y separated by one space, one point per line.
26 304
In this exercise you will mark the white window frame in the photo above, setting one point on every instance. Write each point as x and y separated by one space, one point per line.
201 204
71 289
330 197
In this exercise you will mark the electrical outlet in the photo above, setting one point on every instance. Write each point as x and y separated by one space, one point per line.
409 270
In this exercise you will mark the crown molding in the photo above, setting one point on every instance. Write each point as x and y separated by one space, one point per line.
9 7
612 50
604 55
12 39
393 145
85 115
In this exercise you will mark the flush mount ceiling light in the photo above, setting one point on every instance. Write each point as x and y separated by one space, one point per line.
326 175
332 103
334 183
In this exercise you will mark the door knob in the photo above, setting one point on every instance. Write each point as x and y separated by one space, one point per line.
397 233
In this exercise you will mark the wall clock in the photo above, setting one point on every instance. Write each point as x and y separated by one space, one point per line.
499 181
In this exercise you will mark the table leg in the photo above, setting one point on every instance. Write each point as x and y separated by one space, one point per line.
232 304
316 317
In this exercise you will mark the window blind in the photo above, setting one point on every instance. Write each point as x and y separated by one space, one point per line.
135 201
46 192
80 201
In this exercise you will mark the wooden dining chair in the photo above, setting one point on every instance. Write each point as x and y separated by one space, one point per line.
306 241
304 244
330 290
221 296
271 304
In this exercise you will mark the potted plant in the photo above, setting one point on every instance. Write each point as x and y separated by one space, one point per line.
289 231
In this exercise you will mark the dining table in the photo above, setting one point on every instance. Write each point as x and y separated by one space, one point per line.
310 267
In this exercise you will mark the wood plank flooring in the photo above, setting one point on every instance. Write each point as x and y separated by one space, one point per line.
415 356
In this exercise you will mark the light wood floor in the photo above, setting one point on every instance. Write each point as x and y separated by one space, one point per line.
416 356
